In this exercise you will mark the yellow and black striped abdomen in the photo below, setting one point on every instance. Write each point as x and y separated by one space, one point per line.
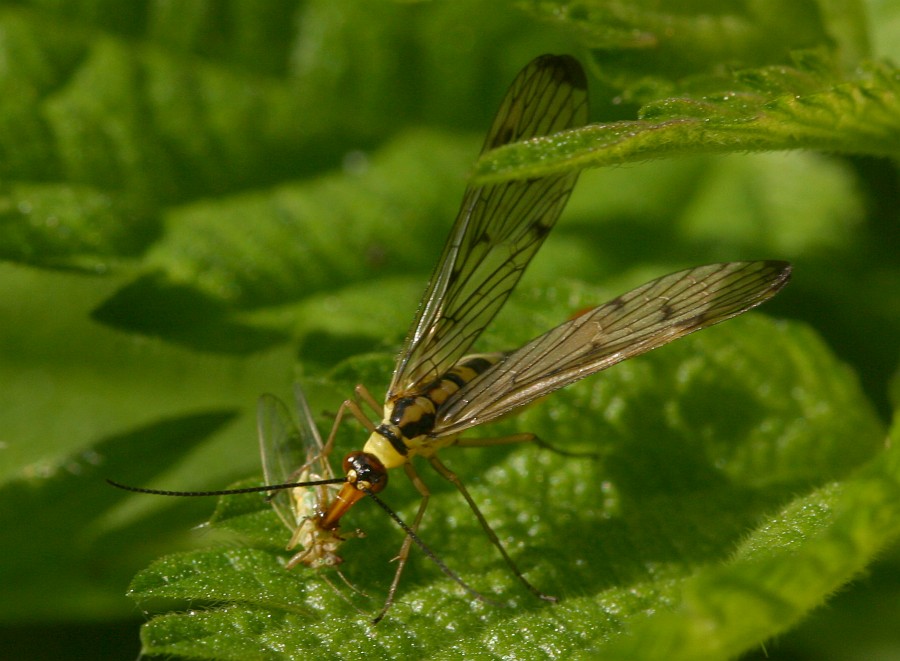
410 418
459 375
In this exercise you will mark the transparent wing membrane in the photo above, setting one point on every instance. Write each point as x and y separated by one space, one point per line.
499 228
641 320
284 451
294 453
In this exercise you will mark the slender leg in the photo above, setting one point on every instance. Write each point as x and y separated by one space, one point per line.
354 408
454 479
403 555
364 395
498 440
519 438
413 538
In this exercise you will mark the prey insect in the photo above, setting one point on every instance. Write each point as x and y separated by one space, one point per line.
438 391
295 453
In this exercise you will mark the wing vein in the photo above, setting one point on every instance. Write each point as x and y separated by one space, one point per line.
636 322
499 228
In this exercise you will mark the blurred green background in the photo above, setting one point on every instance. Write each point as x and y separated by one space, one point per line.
204 201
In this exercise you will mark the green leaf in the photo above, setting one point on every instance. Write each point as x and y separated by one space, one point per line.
378 210
696 491
72 530
727 609
774 108
201 202
647 48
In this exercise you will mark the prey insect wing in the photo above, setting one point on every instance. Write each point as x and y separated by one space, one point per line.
637 322
499 227
294 453
281 449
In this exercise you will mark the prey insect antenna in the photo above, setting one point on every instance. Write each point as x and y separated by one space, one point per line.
427 551
225 492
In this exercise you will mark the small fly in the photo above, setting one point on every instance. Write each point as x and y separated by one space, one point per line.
438 392
295 453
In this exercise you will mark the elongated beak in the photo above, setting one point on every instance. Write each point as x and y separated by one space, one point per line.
348 496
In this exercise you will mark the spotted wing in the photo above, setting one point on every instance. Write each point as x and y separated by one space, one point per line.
634 323
289 450
499 227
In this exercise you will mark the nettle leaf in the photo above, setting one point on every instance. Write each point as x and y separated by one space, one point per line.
714 470
774 108
70 226
202 201
73 503
379 211
649 50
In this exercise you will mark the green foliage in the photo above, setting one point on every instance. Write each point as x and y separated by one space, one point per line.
775 108
200 202
718 544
